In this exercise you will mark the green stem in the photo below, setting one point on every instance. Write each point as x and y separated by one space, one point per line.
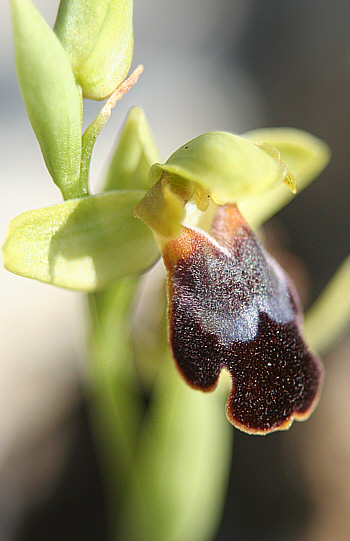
115 399
94 129
88 141
165 469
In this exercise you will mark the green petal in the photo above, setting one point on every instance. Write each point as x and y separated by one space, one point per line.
329 316
304 155
98 37
50 95
83 244
229 166
135 153
162 211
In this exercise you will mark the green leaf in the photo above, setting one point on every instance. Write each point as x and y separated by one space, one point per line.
83 244
50 95
134 155
304 155
98 37
329 316
230 167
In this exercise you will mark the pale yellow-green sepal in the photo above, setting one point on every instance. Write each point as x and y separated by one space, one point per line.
83 244
230 167
305 156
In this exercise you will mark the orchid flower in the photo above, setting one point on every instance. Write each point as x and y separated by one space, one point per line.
230 306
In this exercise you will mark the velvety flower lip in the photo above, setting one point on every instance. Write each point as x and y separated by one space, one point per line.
231 306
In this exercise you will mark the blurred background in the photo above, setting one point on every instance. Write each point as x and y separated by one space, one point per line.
230 65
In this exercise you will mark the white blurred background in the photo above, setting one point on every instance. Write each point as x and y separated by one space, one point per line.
209 64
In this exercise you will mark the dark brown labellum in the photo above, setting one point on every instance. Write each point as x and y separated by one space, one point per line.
231 306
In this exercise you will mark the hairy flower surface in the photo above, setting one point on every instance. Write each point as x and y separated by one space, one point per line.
231 306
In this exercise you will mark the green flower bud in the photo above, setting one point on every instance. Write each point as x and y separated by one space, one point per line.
98 37
50 95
